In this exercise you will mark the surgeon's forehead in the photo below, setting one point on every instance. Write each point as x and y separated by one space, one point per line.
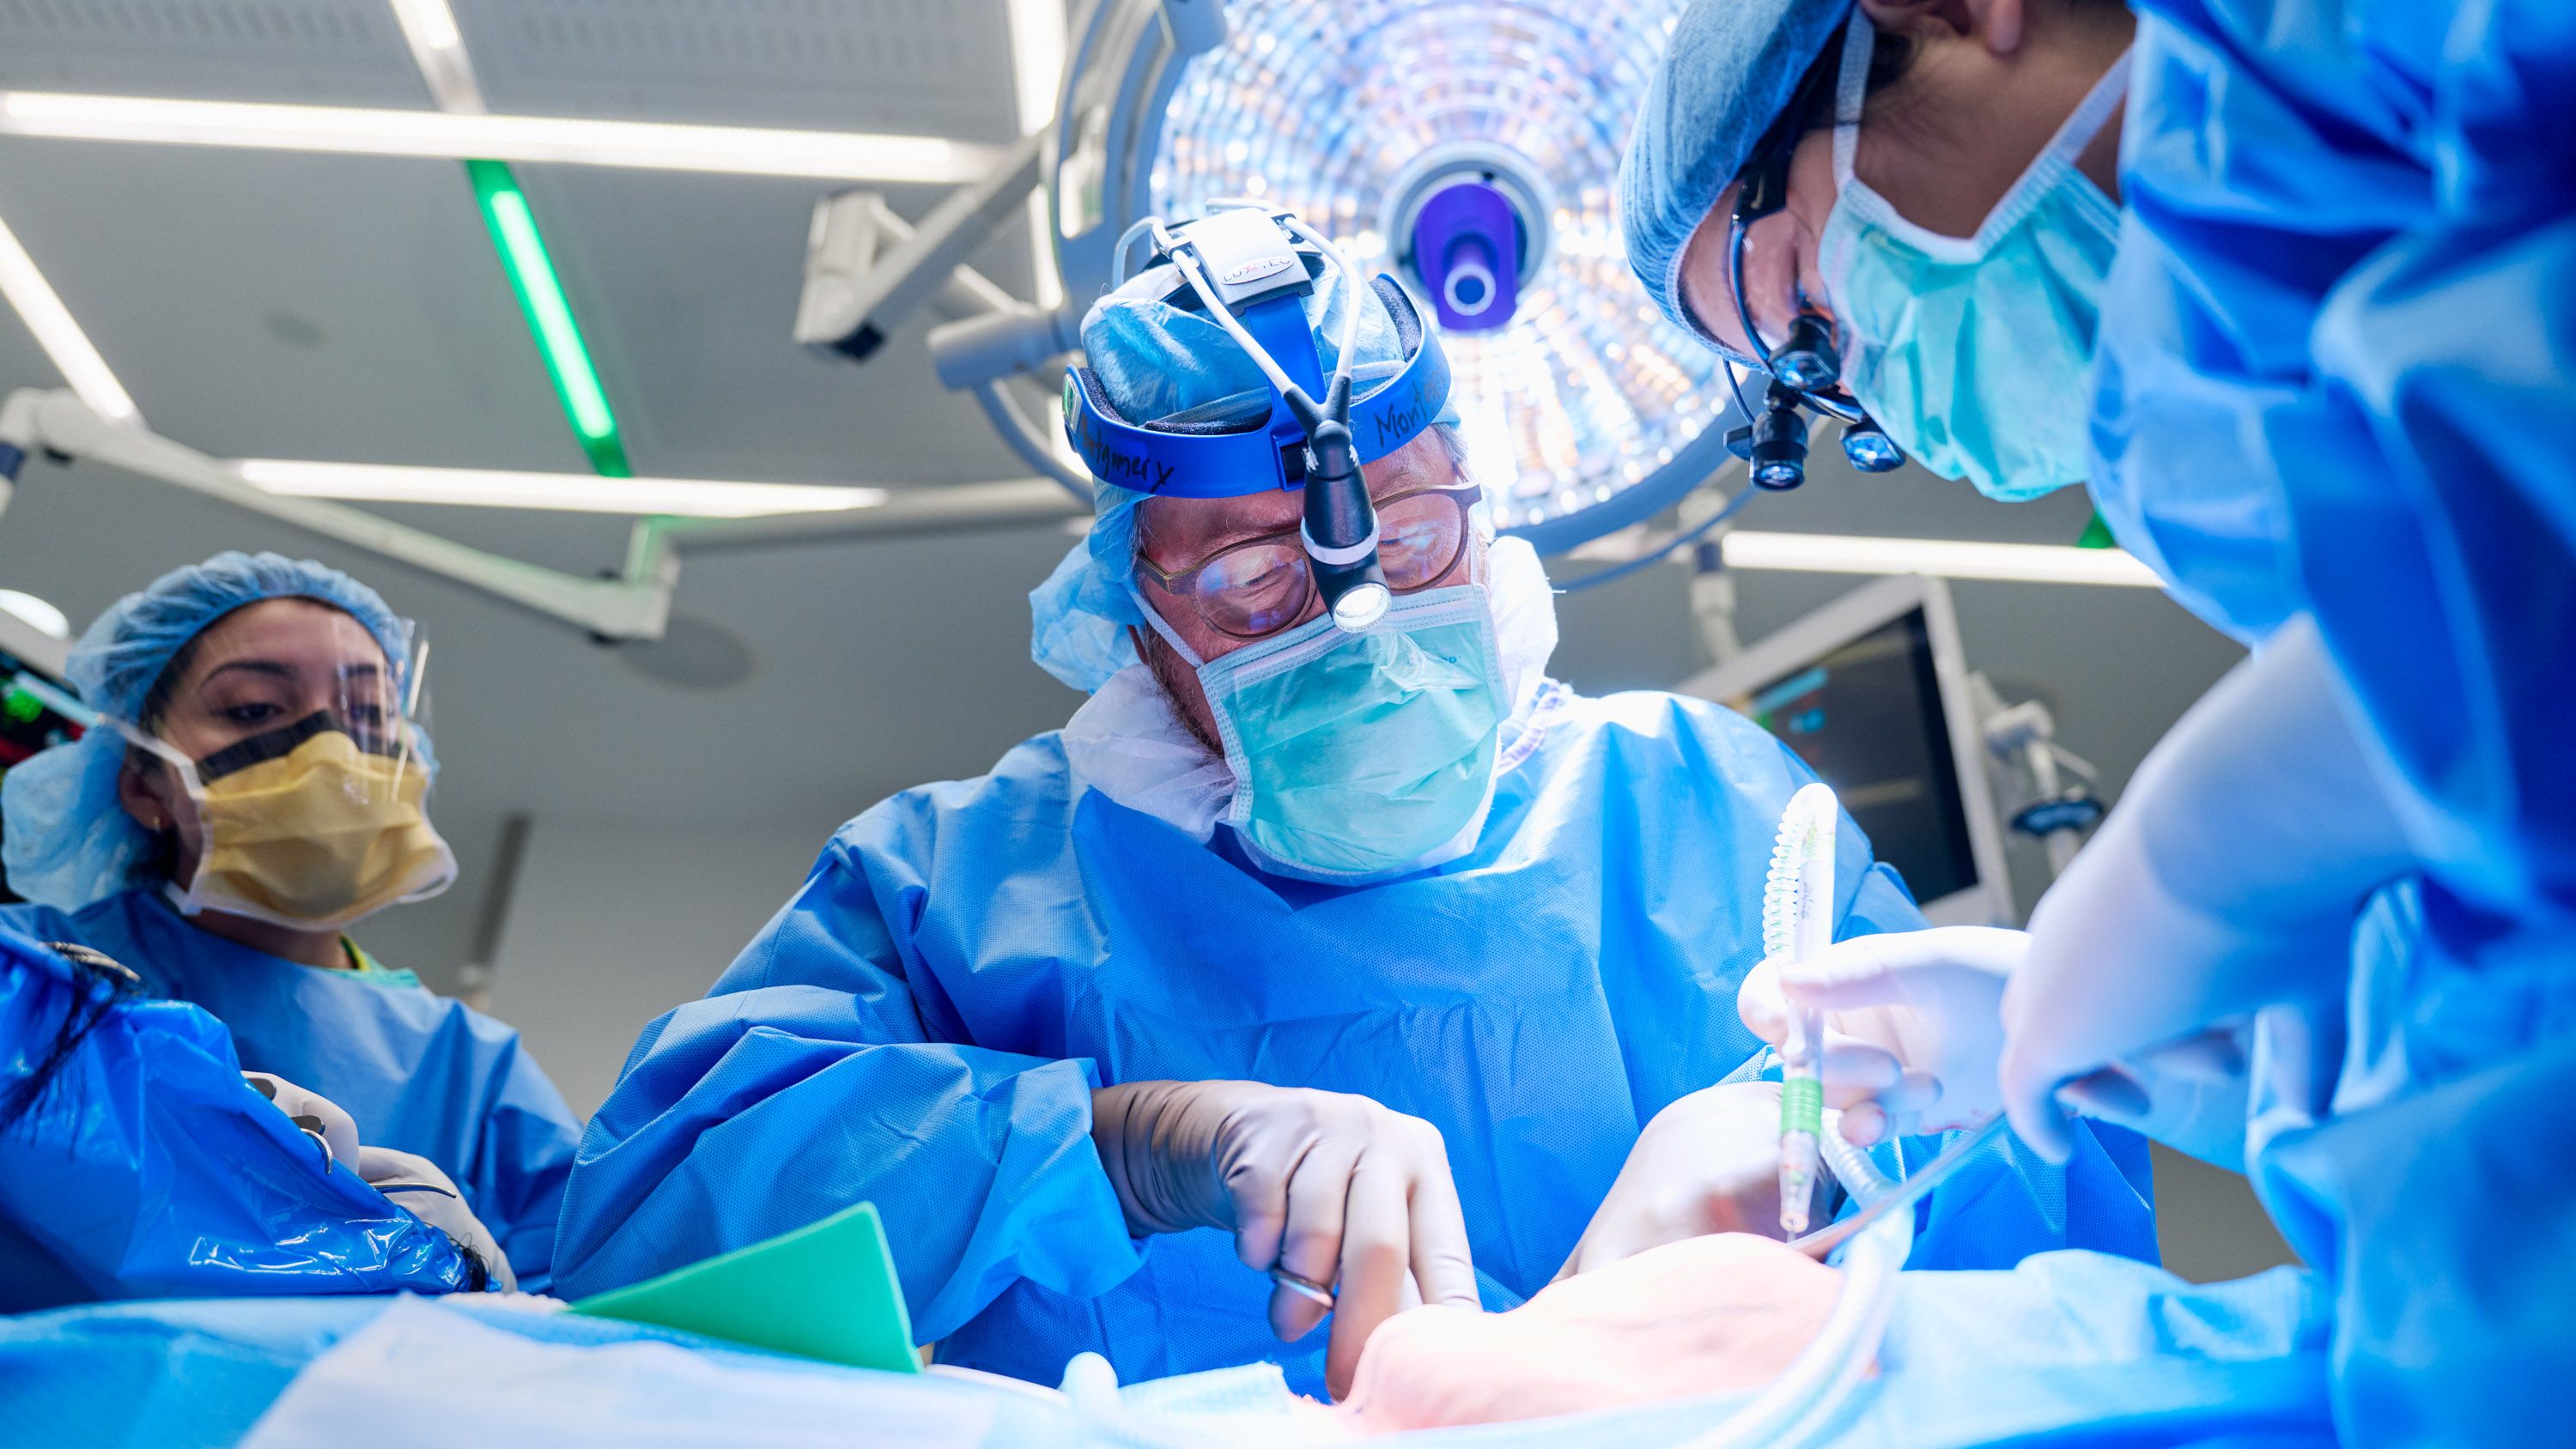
1183 530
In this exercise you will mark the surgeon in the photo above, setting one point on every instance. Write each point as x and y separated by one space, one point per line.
254 788
2298 313
1304 960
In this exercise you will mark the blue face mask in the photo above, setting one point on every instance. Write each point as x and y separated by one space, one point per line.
1976 353
1357 755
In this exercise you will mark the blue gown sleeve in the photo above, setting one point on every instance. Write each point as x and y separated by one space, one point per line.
2450 351
136 1163
813 1078
2353 253
2347 302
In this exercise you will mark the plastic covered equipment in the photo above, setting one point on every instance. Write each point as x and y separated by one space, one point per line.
135 1162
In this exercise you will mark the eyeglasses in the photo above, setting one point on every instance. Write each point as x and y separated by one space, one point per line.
1255 588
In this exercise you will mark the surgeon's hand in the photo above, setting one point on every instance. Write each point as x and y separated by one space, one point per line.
320 1117
1709 1163
1330 1187
417 1184
1914 1038
1913 1024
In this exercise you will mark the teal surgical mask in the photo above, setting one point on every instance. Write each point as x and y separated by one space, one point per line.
1976 353
1361 755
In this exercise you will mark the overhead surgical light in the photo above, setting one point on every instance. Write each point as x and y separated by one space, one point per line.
1468 147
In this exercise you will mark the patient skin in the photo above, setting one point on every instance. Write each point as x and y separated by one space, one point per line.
1177 533
258 668
1706 1315
1990 82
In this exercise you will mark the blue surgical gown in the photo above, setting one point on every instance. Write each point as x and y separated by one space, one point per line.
418 1073
2338 375
922 1026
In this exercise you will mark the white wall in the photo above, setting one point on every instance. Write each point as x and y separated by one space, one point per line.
615 922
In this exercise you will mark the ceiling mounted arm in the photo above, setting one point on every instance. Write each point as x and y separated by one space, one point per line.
635 604
854 299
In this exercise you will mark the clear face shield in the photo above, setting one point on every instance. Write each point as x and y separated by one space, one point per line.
295 741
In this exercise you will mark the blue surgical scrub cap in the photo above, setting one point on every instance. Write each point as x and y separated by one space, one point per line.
68 841
1727 73
1162 364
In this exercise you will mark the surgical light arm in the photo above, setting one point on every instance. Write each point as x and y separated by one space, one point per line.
634 604
854 312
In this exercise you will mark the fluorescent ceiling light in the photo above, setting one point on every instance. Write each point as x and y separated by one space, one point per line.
429 24
60 336
570 492
47 619
438 48
828 155
2021 562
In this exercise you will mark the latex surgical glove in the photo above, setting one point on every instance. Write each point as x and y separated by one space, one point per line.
1708 1163
1913 1024
2226 881
1914 1031
1333 1188
416 1185
319 1116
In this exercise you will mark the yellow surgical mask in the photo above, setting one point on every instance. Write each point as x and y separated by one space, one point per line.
306 828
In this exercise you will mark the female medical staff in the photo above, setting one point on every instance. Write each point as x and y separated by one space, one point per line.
2325 352
253 788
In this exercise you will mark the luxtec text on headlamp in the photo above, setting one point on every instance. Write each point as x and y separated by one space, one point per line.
1250 269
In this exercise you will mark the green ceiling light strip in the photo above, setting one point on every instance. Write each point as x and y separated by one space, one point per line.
2097 534
541 295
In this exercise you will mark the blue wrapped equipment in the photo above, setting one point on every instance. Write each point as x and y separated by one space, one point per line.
136 1163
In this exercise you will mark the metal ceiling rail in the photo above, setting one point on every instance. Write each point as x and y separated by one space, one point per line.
634 604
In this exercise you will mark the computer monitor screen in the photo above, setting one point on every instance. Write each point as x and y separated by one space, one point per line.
1866 716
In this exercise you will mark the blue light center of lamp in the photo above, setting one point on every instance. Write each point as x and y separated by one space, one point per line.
1468 246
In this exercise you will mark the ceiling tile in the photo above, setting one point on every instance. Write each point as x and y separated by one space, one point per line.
286 305
321 52
921 67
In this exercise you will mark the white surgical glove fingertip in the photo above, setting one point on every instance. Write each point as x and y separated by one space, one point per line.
1864 1124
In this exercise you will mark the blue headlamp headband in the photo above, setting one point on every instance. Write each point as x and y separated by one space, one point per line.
1230 459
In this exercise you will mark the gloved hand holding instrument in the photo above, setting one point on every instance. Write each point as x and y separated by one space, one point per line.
410 1182
1334 1195
2130 996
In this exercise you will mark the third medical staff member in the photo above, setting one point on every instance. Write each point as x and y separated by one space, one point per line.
2309 342
1366 951
254 788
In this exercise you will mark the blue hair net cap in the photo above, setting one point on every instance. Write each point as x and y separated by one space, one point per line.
1730 68
1160 363
69 841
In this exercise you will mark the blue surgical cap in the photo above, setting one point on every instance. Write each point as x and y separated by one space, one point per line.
1160 364
68 841
1727 73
